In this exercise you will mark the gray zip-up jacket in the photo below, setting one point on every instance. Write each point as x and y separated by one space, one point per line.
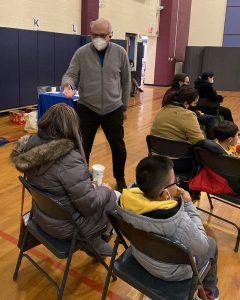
184 227
102 89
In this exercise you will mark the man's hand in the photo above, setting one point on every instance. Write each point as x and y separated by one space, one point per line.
68 91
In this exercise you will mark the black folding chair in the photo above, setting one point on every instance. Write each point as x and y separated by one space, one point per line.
158 248
176 150
60 248
226 166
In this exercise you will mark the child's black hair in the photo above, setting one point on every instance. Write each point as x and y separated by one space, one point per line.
152 175
225 130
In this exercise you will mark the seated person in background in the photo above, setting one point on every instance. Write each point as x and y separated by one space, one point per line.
209 100
160 207
208 121
175 120
54 162
226 139
226 134
179 80
134 82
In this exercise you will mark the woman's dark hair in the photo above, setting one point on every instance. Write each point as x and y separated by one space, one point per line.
60 121
206 75
177 78
184 94
152 175
225 130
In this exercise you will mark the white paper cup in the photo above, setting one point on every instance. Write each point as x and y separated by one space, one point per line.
54 89
97 172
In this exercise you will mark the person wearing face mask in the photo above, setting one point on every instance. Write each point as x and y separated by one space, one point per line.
179 80
159 206
175 120
209 100
101 72
205 120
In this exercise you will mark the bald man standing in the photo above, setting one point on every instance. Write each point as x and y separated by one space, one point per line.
101 72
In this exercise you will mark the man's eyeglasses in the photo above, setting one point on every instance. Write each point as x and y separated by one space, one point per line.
102 35
168 186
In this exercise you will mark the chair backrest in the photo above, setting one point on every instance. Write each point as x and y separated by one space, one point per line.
170 148
152 245
44 201
222 164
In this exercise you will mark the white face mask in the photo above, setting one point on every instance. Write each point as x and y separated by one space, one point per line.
211 80
99 43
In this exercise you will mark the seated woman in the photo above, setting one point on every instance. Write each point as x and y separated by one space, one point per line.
179 80
209 100
205 120
175 120
160 207
54 162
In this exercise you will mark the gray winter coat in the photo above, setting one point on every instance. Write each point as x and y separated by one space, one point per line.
58 168
184 227
102 89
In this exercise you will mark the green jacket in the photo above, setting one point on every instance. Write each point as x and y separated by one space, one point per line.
177 123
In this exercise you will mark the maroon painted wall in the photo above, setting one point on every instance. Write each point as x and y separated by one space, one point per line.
90 12
166 54
183 28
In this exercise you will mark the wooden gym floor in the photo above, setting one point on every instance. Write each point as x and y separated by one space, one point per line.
87 277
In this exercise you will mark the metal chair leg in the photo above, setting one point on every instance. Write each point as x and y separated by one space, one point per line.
101 260
20 256
110 269
210 201
66 271
238 241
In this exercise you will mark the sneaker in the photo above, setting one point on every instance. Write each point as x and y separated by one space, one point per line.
211 294
140 90
121 184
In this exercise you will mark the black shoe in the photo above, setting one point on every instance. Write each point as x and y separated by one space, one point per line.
140 90
132 95
121 184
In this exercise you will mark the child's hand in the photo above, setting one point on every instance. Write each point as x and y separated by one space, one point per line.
186 196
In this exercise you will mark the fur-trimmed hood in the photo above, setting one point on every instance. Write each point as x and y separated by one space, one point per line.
33 152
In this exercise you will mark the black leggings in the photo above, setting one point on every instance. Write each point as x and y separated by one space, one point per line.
223 111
